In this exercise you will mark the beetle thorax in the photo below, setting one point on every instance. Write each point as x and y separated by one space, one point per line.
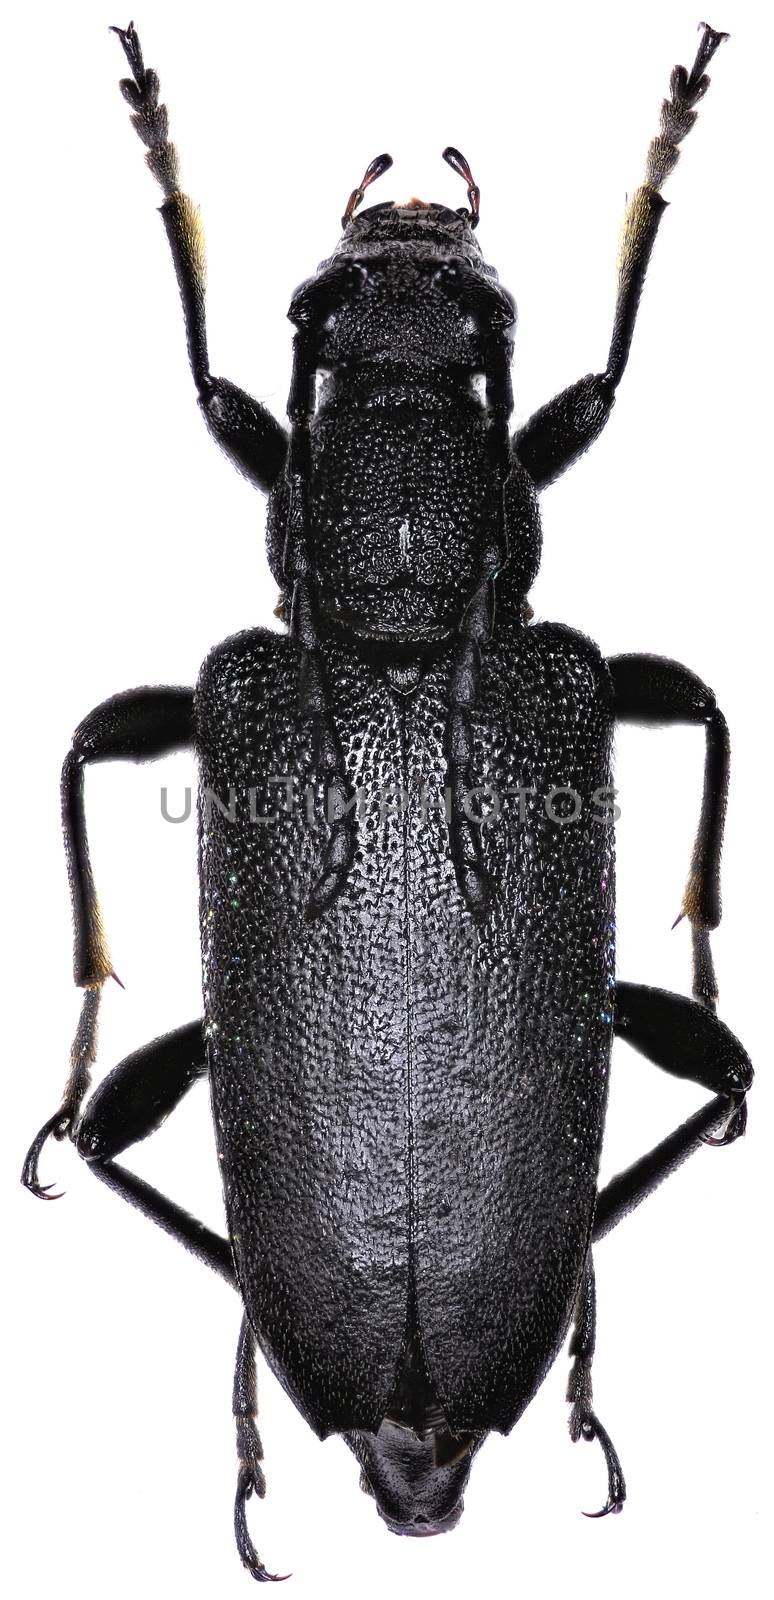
406 471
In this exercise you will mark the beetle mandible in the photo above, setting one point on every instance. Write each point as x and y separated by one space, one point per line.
409 984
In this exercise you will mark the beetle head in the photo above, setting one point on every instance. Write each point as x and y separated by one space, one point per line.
403 344
415 1493
445 218
406 284
421 226
401 383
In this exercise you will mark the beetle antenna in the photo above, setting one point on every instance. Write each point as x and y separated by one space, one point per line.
375 169
475 630
314 697
461 166
464 684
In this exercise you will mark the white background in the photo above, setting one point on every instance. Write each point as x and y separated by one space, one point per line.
133 546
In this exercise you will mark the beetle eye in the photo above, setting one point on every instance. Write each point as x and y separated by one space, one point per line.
447 273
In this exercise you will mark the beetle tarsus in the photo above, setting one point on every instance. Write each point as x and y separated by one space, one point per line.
56 1127
132 50
712 39
612 1506
61 1124
589 1427
678 115
250 1453
584 1423
246 1486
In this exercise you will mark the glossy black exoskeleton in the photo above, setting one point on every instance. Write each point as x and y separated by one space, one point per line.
406 868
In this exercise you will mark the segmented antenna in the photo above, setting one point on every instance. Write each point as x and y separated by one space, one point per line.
374 170
475 630
461 166
313 693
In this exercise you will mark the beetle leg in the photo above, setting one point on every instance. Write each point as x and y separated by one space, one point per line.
209 1247
132 1102
82 1055
584 1423
251 1479
563 429
138 726
139 1094
247 433
687 1040
654 692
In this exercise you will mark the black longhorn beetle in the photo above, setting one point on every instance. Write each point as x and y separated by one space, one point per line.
407 877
